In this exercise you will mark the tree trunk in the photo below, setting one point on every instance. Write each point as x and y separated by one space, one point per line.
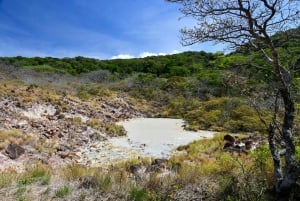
284 183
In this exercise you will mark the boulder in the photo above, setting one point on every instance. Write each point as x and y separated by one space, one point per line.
158 165
248 144
229 138
228 145
14 151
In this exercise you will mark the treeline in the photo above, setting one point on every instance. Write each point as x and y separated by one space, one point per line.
208 67
183 64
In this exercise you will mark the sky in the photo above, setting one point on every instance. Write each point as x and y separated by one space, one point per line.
104 29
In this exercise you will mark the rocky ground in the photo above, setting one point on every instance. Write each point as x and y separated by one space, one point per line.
51 127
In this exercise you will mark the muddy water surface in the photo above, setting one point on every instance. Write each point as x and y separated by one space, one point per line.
154 137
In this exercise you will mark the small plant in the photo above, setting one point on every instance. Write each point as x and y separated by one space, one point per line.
110 128
20 193
45 180
94 123
105 183
82 196
35 173
25 181
298 152
138 194
115 130
74 171
7 178
62 192
76 121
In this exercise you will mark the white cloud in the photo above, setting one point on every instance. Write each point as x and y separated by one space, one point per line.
123 56
149 54
143 55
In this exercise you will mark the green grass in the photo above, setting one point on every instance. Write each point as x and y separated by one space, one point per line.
138 194
62 192
35 173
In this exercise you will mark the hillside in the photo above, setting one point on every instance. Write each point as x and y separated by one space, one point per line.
53 110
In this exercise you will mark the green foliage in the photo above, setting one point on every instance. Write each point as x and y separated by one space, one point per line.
231 114
171 65
211 77
138 194
45 68
263 159
179 71
298 152
36 173
62 192
20 193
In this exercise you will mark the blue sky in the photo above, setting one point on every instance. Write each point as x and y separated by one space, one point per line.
92 28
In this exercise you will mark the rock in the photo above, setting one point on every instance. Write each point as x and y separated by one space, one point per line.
61 116
69 155
158 165
60 135
30 88
63 154
229 138
160 161
248 144
63 148
88 182
14 151
138 171
18 104
135 168
227 145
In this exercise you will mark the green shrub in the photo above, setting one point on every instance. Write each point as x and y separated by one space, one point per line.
298 152
138 194
36 173
62 192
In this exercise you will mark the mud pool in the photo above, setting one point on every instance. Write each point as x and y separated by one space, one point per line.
151 137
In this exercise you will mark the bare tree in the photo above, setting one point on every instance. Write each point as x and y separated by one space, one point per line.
253 22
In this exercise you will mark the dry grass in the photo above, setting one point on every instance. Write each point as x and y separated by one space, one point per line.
220 175
16 137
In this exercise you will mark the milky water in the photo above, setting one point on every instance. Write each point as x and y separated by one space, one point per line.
153 137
